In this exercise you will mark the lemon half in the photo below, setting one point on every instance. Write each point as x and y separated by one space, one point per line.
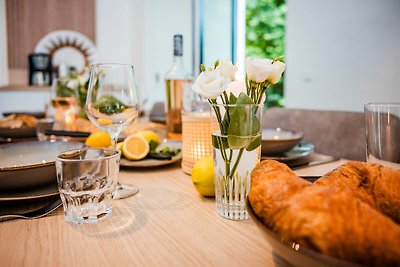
135 147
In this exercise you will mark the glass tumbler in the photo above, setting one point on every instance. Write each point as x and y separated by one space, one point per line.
86 181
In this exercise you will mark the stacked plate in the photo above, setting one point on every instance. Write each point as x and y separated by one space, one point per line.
284 145
27 169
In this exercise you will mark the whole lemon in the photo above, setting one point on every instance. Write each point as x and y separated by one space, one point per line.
203 176
150 136
99 139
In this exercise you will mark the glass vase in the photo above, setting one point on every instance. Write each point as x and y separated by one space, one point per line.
236 140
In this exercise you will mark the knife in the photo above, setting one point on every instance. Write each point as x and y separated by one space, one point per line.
66 133
312 163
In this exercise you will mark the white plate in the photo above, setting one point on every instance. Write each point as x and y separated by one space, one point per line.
148 162
46 191
303 149
145 163
30 164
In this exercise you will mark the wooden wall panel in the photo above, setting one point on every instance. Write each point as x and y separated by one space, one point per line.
30 20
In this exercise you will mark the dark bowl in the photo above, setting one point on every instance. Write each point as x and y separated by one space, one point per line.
292 252
18 132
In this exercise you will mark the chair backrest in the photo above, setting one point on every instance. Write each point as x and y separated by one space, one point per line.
336 133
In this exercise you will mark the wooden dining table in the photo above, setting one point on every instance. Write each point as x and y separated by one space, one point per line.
166 224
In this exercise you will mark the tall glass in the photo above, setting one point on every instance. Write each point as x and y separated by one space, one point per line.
382 124
112 104
236 141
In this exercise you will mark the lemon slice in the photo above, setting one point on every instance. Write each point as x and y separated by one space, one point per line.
104 121
99 139
135 147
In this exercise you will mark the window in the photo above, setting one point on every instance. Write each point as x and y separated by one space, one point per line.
265 37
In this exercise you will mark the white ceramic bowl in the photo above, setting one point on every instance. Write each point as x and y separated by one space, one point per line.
278 141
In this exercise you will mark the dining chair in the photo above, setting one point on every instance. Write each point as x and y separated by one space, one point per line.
337 133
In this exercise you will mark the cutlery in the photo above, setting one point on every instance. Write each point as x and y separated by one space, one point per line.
310 178
66 133
312 163
33 214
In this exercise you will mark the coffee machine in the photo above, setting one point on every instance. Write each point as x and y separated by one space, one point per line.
40 69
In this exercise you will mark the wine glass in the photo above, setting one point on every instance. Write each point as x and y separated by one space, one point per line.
63 102
112 104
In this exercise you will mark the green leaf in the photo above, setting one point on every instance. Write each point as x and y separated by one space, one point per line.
244 126
169 151
153 145
254 144
218 141
109 104
232 99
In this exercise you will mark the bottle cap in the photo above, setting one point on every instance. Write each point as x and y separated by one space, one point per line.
178 45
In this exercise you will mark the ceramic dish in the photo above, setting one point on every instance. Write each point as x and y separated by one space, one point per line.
149 162
35 193
302 150
278 141
292 252
30 164
145 163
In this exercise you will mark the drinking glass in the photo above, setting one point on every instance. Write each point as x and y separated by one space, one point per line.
63 102
112 104
383 133
86 181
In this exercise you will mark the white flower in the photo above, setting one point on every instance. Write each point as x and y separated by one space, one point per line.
83 78
210 84
227 69
260 70
236 87
72 84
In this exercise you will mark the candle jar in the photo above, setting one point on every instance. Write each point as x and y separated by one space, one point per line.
196 138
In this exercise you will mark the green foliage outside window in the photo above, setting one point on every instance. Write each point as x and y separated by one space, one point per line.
265 37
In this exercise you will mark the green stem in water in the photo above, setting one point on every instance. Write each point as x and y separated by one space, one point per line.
236 163
219 118
221 148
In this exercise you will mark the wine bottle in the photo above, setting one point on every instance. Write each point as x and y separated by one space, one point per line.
178 90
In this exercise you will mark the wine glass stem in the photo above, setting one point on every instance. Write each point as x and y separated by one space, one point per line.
114 139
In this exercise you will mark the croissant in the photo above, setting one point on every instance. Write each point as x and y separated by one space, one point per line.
374 184
326 219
